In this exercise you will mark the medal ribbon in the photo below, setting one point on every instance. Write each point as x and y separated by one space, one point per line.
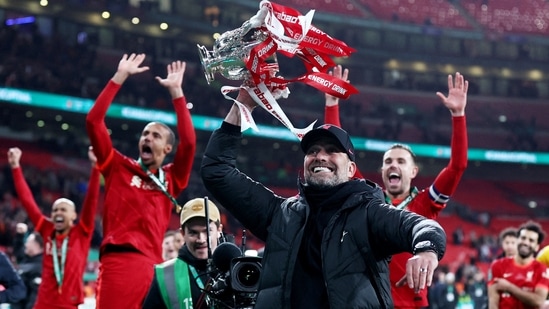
160 182
59 270
406 201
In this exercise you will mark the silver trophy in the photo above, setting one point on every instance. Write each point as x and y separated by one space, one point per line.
231 50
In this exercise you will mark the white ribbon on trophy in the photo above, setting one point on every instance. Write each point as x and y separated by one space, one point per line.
277 29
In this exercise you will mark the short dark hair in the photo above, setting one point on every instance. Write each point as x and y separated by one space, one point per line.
534 227
171 134
508 231
405 147
169 234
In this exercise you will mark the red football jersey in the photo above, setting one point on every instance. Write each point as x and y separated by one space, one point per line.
527 277
71 292
136 211
428 203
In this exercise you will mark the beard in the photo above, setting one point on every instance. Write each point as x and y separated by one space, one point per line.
395 192
525 252
323 182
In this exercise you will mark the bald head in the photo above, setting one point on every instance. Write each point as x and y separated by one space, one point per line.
66 201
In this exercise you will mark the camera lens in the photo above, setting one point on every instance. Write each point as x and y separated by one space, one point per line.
248 275
245 273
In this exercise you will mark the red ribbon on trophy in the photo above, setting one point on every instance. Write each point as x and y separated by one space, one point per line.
278 29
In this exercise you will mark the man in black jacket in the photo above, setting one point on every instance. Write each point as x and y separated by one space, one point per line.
329 246
30 270
14 288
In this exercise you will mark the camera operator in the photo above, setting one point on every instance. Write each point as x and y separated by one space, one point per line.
178 283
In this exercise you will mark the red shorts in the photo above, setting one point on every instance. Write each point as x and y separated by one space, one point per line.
124 280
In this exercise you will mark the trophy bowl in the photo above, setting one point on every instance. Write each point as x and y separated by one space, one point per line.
230 67
230 52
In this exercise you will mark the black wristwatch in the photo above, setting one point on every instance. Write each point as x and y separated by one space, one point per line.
425 246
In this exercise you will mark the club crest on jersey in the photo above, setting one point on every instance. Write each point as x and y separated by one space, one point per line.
138 182
529 276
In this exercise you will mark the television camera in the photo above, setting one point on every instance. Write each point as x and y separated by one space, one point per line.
234 277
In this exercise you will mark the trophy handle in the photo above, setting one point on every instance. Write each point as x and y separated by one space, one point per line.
206 63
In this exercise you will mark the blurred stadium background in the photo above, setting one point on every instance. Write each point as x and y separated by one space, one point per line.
56 56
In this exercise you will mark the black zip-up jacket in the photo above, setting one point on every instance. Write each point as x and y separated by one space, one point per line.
15 289
356 244
30 271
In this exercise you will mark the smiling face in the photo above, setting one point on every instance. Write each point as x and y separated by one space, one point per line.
397 171
155 143
326 165
63 215
195 235
528 243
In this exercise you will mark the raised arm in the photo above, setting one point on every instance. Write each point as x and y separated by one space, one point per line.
186 148
233 117
331 108
95 120
249 201
457 95
21 233
22 188
446 182
87 216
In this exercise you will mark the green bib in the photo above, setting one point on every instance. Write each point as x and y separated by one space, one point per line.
175 286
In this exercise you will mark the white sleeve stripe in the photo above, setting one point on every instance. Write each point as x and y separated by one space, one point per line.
438 197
